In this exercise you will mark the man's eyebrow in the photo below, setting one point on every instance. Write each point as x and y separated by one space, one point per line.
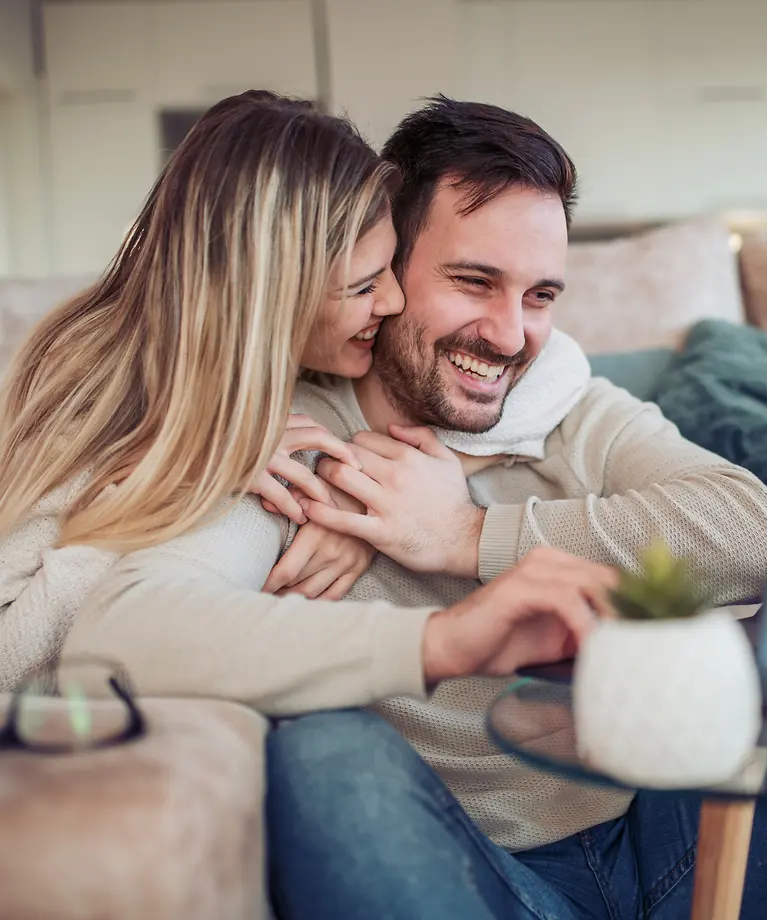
552 283
492 271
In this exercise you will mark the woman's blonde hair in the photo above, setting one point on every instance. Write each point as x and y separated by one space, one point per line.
173 375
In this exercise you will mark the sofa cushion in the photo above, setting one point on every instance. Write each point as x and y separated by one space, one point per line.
715 391
646 291
635 371
753 267
24 301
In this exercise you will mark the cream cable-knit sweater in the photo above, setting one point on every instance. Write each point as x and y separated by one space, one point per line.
186 618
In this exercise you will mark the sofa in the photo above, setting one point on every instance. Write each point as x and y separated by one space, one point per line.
630 301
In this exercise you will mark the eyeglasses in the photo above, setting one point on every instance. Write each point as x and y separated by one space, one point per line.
71 707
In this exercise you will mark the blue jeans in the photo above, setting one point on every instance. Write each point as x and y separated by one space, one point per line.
361 828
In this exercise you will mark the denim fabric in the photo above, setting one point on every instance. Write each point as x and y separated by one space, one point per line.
361 828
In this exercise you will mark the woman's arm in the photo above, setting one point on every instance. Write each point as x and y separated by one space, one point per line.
187 619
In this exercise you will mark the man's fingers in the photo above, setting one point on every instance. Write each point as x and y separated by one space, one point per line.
299 475
362 526
372 464
355 483
421 438
377 443
276 493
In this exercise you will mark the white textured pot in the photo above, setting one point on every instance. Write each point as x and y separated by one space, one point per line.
667 704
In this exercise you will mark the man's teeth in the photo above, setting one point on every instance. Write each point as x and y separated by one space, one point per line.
475 368
366 334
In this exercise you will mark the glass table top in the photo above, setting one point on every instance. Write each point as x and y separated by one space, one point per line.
533 719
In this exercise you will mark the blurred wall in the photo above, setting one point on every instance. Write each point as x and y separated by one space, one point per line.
662 103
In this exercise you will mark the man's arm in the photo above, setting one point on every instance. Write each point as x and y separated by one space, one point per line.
643 480
631 475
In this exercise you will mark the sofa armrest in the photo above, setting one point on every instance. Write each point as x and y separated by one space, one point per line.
167 827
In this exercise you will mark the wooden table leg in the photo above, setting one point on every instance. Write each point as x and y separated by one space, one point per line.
724 837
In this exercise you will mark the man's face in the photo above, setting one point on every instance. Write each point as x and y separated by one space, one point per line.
478 290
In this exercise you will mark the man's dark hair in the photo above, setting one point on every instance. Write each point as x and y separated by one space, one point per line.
482 149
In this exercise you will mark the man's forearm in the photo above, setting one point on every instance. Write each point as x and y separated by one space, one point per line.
717 518
463 555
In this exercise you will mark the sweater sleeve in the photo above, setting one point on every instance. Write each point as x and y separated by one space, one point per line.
187 619
41 587
641 479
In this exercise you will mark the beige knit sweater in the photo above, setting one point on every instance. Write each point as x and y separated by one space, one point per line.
186 617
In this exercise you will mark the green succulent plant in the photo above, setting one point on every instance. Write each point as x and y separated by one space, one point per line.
667 588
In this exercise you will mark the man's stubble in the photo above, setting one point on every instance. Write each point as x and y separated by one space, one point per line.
410 375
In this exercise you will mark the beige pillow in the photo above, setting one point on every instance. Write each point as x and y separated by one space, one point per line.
646 291
753 267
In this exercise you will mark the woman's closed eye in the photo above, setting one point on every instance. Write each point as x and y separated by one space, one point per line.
368 289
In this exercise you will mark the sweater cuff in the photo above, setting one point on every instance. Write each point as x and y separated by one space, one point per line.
499 540
397 652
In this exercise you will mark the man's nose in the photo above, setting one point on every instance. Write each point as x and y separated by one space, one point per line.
503 325
391 299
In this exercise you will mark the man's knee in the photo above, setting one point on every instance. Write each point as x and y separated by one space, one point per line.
345 759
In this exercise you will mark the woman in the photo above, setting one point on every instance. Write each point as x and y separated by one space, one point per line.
138 413
118 382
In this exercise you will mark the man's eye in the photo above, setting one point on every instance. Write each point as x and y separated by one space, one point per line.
544 296
473 282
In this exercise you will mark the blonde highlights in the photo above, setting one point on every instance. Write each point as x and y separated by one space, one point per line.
170 379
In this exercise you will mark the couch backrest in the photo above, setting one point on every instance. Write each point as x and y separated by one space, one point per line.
24 301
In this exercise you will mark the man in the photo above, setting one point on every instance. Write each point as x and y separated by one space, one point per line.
482 220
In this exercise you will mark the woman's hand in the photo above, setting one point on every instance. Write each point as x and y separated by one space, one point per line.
301 433
536 613
320 564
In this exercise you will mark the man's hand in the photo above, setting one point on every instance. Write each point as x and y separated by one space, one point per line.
301 433
536 613
419 511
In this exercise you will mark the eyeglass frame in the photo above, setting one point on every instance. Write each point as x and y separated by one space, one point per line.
118 682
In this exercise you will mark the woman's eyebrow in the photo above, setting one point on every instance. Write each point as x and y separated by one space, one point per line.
362 281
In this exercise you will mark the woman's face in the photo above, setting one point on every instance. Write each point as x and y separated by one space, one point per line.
344 333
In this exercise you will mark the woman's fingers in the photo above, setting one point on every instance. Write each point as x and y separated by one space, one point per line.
313 586
316 437
290 567
275 492
299 475
340 588
299 420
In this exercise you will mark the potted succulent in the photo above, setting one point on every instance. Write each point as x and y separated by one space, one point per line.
667 694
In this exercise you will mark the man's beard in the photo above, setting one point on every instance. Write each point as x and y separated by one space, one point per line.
410 374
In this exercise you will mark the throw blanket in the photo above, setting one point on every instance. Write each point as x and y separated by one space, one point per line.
549 391
715 391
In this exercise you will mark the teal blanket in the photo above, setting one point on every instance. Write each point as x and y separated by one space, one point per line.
715 391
